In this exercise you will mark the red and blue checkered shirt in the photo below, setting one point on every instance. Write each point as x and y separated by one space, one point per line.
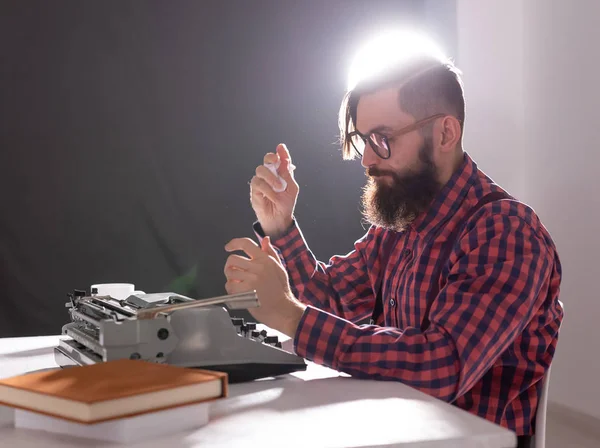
494 323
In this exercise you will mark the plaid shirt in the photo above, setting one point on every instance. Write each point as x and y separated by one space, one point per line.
493 325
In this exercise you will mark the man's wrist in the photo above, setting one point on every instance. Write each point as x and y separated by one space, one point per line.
292 319
277 232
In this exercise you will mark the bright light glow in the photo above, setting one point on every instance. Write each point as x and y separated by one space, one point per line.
388 50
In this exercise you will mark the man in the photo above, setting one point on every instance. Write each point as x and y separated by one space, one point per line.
461 280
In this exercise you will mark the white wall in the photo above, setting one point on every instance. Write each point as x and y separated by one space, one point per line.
492 64
532 78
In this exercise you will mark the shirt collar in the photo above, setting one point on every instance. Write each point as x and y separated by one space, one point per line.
448 200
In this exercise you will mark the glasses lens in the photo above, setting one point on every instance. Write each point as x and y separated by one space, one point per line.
358 143
380 145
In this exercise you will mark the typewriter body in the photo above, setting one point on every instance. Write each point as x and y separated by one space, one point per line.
173 329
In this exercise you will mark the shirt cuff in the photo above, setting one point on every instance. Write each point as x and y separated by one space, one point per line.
289 244
260 233
319 335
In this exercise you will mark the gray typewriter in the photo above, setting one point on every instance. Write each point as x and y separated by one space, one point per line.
173 329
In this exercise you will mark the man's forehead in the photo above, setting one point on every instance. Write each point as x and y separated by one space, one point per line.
380 108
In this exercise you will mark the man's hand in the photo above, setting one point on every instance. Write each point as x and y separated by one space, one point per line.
274 211
263 272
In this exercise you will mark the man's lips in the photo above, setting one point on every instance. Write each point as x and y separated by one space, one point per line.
378 173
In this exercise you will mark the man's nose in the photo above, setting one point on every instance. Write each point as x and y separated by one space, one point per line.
369 158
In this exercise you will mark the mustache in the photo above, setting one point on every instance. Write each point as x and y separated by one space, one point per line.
372 172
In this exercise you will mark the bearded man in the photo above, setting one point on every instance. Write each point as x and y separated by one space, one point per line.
458 280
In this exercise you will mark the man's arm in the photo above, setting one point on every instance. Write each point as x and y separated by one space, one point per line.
496 284
341 287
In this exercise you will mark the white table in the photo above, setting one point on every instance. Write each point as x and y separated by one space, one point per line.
315 408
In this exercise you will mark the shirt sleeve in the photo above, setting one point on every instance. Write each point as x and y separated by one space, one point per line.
498 278
342 286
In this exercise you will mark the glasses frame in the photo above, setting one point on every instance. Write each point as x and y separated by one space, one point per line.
370 137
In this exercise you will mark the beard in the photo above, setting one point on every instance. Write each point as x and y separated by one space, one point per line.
397 204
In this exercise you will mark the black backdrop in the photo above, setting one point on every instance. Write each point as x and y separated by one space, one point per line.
129 131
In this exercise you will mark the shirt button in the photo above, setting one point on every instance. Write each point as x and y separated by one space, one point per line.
392 302
406 252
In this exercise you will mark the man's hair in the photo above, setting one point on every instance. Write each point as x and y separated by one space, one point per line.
428 86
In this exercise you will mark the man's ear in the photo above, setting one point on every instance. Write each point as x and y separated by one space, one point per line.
449 133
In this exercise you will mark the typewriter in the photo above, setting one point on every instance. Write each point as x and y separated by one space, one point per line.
173 329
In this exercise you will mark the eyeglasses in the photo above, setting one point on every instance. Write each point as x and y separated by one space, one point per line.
380 142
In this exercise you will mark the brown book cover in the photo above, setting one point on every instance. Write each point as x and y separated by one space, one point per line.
110 390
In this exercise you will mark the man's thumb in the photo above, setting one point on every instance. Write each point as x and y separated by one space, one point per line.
268 248
286 168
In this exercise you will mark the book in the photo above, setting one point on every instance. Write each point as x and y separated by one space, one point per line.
111 390
139 428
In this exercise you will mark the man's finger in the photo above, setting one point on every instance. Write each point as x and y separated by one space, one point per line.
235 287
244 244
270 157
268 248
287 168
241 276
261 187
237 262
284 153
262 172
